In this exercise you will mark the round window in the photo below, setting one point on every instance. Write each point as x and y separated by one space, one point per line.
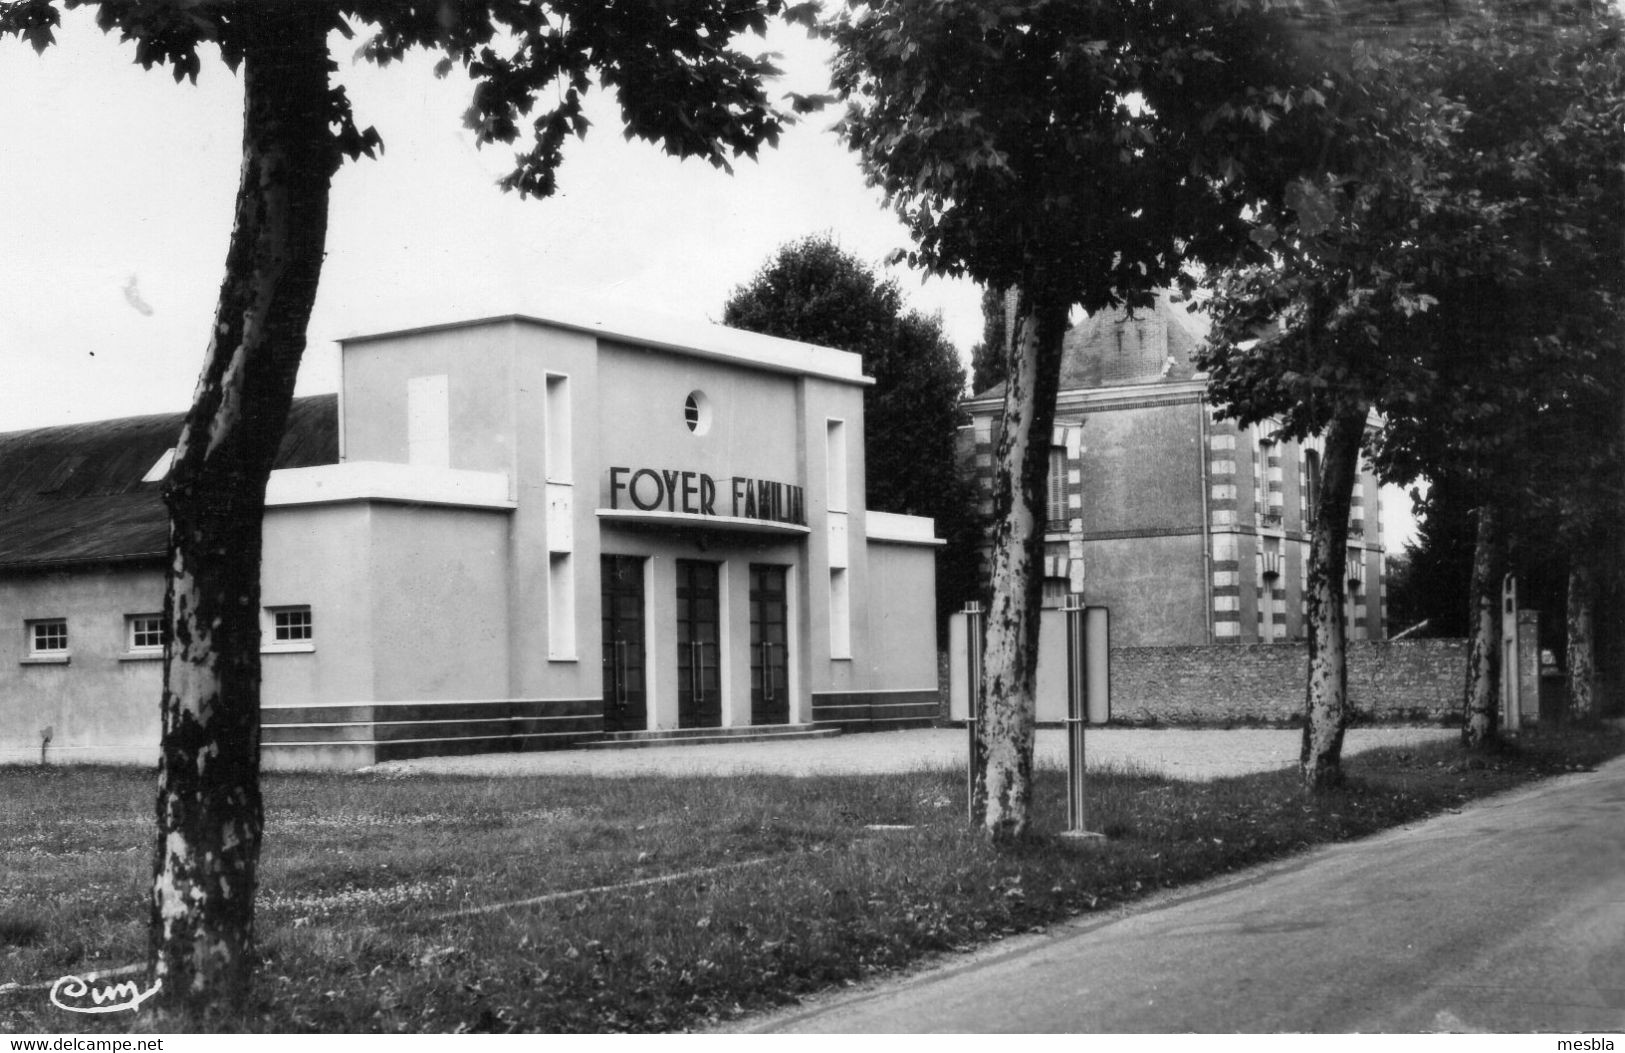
697 412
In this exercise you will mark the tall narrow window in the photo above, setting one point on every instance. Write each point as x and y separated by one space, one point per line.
1056 497
835 455
561 607
558 428
840 614
1311 485
428 421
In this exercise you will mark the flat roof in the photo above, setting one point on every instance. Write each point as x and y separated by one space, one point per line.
700 339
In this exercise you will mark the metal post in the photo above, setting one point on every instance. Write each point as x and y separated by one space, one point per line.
1077 715
1511 705
975 622
1076 678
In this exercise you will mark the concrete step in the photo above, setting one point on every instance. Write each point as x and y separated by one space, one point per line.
743 731
631 740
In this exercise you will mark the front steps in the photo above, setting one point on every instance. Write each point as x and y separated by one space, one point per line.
344 737
632 740
348 736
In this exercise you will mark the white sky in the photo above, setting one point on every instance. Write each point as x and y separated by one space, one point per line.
113 175
119 184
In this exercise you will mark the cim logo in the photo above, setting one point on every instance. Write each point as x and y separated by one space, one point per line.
76 994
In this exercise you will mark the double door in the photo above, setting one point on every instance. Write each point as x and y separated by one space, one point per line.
698 632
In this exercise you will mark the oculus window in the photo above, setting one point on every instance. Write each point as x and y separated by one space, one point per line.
697 412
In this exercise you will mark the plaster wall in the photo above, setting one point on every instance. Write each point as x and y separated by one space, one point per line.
478 364
1152 586
1142 470
439 626
901 653
100 705
323 556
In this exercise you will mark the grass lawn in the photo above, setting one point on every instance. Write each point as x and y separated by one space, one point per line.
659 903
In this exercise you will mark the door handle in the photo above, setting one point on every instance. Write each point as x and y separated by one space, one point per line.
767 671
620 672
696 673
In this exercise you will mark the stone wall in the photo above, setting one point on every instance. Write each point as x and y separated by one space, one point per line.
1410 680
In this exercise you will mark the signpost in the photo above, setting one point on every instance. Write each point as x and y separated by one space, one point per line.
1078 711
975 631
1511 706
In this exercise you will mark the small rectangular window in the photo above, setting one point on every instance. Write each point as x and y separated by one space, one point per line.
288 629
144 632
48 638
292 625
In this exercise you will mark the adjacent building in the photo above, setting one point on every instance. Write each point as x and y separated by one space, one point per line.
511 533
1190 530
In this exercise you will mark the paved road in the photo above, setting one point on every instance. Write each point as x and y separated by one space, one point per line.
1506 917
1180 753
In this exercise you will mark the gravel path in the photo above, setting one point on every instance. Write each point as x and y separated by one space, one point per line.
1184 754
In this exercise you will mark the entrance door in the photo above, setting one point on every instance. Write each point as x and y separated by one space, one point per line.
769 651
625 687
699 682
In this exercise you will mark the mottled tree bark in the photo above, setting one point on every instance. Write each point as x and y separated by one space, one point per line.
1326 711
1581 653
209 806
1010 663
1479 700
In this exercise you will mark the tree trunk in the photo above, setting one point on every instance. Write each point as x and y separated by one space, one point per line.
209 808
1581 655
1010 663
1326 712
1480 701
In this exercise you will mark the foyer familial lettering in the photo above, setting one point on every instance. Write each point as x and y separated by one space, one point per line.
695 493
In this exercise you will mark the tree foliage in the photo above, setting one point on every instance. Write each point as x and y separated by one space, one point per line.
1078 154
1440 266
672 67
987 357
813 290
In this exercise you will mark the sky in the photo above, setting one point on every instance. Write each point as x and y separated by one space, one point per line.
118 186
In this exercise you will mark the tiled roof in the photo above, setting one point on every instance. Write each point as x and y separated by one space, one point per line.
74 494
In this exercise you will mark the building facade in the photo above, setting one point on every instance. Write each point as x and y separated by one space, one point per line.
513 533
1189 530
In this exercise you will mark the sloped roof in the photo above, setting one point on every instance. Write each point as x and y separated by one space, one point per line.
1091 358
74 494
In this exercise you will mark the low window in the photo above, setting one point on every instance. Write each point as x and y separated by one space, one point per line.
288 629
48 638
291 625
144 632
